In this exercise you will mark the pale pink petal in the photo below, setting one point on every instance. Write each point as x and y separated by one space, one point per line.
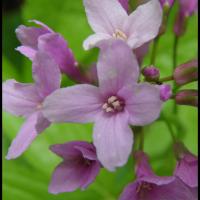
143 24
41 24
93 40
28 36
113 140
117 66
105 16
25 137
142 102
27 51
19 99
46 74
78 103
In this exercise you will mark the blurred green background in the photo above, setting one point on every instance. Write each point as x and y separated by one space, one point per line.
27 177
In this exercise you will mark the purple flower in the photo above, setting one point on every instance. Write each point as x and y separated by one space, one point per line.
78 169
151 73
124 4
149 186
26 100
53 44
186 72
117 102
108 19
187 166
187 97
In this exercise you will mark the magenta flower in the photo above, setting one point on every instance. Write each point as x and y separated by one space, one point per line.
149 186
124 4
78 169
187 166
108 19
118 101
44 39
26 100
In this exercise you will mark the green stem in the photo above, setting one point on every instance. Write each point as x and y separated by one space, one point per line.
154 50
165 79
175 49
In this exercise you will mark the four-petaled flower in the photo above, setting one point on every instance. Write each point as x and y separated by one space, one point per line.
117 102
109 19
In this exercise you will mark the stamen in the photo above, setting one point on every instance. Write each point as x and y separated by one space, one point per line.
109 109
119 35
112 99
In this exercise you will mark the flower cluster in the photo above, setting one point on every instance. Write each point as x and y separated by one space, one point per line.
111 95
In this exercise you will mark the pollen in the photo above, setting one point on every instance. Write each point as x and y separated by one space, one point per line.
120 35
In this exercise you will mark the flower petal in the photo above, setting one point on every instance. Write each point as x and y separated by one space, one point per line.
113 140
19 99
46 74
104 16
44 26
117 66
124 3
26 135
129 192
93 40
78 103
142 102
143 24
27 51
28 36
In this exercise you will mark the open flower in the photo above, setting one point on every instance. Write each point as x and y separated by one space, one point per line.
149 186
26 100
44 39
117 102
78 169
108 19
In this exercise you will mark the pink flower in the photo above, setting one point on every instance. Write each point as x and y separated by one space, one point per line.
53 44
117 102
108 19
78 169
26 100
149 186
187 166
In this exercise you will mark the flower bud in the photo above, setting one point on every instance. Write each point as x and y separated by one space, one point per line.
165 92
187 97
166 3
188 7
151 73
186 73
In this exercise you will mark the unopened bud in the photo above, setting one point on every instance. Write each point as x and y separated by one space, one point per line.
166 4
151 73
187 97
188 7
186 73
165 92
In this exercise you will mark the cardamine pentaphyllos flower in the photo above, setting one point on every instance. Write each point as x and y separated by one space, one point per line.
45 39
187 97
78 169
26 100
108 19
187 165
186 72
149 186
117 102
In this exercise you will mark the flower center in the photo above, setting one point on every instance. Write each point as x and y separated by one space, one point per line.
113 104
143 187
120 35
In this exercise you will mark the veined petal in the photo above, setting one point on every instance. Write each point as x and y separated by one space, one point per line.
143 24
113 140
78 103
46 74
19 99
27 51
26 135
93 40
28 36
117 66
105 16
142 102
